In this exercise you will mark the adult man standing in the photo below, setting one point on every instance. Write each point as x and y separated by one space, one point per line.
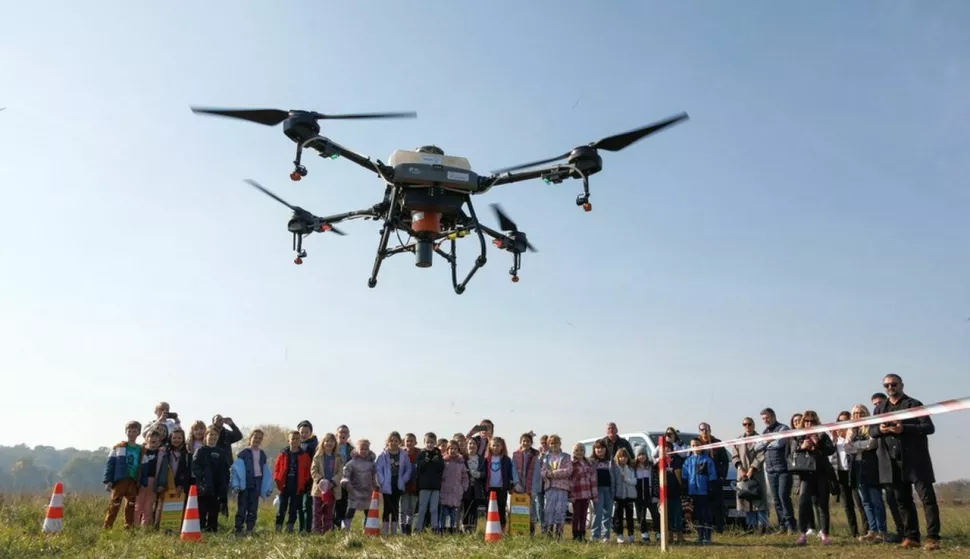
615 442
877 399
776 467
715 489
905 464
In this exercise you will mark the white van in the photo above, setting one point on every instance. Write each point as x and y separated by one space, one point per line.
649 439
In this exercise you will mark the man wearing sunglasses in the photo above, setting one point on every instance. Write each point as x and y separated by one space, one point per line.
905 464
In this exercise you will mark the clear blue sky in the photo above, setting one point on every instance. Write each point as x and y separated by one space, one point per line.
804 234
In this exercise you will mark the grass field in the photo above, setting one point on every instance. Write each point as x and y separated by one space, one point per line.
21 518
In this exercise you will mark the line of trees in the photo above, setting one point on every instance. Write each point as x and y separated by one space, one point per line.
30 470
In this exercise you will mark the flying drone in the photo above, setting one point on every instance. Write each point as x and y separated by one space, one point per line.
425 189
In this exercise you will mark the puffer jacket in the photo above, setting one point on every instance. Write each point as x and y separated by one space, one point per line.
360 479
556 471
624 483
776 452
454 482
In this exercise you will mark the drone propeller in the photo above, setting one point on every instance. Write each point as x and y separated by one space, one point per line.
298 213
506 224
610 143
272 117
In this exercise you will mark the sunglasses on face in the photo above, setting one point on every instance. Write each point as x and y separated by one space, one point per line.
747 424
890 384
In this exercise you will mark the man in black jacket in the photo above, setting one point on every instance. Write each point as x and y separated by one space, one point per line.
905 464
615 442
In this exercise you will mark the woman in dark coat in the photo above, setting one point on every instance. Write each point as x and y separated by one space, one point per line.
812 453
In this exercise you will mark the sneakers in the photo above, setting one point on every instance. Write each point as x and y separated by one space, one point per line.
931 545
825 539
802 540
810 532
619 539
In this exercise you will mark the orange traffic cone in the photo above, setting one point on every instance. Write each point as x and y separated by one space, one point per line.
191 531
372 524
54 519
493 527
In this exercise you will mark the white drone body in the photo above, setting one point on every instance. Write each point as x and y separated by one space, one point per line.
425 167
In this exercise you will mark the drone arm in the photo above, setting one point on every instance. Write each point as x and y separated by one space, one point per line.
326 147
493 233
372 212
485 183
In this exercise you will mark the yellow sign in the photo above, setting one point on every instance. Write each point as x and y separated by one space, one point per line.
519 514
170 513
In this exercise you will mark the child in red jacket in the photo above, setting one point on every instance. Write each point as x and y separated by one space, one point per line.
292 476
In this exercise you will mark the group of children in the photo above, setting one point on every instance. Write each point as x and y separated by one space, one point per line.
168 463
321 484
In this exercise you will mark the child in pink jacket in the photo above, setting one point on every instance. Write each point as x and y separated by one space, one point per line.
454 482
556 470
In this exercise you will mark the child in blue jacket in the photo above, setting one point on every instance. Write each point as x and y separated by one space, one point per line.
698 472
251 479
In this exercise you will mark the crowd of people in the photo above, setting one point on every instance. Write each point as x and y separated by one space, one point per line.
441 484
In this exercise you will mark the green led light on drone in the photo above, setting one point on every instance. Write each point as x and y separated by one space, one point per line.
334 156
547 180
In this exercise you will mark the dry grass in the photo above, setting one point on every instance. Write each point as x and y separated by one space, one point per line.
21 538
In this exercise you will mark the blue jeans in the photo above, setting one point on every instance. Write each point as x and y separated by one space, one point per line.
756 519
449 514
428 499
780 484
874 508
603 513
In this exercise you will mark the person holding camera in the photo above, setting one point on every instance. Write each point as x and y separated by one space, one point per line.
227 438
165 421
905 464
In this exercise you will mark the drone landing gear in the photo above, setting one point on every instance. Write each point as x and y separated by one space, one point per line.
385 236
299 171
583 199
452 258
516 264
298 247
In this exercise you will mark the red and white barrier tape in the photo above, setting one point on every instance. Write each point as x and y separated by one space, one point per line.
945 406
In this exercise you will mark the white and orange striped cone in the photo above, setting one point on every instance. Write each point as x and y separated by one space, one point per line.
54 519
493 526
372 523
191 530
